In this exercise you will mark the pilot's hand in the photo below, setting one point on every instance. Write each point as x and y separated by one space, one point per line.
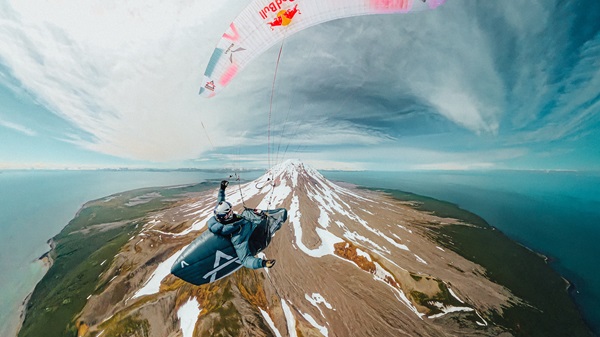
224 184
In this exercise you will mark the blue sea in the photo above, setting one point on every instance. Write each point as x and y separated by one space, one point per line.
554 213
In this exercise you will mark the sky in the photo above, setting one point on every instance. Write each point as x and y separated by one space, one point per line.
470 85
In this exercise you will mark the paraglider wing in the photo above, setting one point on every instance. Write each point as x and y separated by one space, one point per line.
264 22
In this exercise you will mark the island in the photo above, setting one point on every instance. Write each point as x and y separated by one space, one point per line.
103 262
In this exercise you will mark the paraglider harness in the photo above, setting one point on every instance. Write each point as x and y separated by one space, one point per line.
260 237
234 218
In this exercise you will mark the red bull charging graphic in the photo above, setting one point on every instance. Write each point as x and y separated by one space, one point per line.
284 17
273 7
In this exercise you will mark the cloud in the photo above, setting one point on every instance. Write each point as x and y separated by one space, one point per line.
393 157
127 77
377 66
549 65
17 127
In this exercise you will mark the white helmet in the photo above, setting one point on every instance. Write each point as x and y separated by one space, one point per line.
223 211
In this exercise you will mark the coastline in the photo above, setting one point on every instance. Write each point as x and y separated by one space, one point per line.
531 276
74 248
569 286
23 312
47 201
46 258
47 262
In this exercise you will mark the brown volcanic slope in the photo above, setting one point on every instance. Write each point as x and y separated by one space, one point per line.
349 263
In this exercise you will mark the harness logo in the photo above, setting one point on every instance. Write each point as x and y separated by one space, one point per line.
218 266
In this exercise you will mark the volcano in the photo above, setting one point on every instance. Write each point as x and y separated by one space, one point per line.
350 262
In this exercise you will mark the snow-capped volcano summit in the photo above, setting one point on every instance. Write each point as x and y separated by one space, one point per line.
349 263
293 169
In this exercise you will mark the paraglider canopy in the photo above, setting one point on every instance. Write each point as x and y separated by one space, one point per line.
263 23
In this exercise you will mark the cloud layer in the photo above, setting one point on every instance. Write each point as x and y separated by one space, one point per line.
126 76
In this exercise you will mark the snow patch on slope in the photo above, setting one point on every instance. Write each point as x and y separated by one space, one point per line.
315 299
327 239
322 329
323 217
289 318
270 322
188 316
152 286
384 276
448 309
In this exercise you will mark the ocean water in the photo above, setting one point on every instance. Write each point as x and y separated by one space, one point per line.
554 213
36 205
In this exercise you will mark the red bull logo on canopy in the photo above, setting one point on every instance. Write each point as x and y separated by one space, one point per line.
284 17
272 7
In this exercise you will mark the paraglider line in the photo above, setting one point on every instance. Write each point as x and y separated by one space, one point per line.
206 133
298 107
237 178
271 104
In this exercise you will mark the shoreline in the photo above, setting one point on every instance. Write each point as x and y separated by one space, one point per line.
23 312
570 286
36 318
46 259
441 208
62 202
47 262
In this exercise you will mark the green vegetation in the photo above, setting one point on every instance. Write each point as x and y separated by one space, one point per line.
416 277
79 252
548 310
129 327
443 296
228 320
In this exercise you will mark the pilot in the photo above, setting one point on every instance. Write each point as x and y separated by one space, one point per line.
237 228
